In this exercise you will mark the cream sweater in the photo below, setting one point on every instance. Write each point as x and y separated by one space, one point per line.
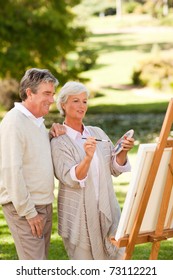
26 170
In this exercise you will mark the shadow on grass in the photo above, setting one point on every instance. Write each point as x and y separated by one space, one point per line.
154 108
123 42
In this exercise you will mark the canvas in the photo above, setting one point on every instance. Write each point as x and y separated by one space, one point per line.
139 175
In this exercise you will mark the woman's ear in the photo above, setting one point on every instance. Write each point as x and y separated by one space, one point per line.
63 106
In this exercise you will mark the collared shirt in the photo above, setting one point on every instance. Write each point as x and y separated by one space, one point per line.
19 106
94 166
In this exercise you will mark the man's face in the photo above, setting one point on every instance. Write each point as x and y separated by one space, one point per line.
39 102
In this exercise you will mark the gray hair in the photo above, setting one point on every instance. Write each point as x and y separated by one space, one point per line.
70 88
32 78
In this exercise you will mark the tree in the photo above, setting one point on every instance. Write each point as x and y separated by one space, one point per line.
160 5
38 34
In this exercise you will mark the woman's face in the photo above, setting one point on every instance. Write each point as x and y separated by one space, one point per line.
76 106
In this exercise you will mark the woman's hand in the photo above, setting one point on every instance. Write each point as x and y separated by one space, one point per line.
90 147
127 145
83 167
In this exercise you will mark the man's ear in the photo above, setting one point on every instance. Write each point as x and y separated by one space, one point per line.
29 93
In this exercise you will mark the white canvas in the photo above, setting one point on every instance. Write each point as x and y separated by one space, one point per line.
143 163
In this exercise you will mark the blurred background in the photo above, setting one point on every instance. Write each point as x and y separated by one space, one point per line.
121 49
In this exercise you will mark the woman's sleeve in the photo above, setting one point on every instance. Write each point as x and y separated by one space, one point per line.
63 158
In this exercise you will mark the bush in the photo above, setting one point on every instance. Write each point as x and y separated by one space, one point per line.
86 59
110 11
131 7
9 93
154 72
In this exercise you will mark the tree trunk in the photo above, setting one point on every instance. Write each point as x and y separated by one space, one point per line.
119 8
165 8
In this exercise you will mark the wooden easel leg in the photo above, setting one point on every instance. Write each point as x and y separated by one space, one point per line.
129 251
163 210
155 250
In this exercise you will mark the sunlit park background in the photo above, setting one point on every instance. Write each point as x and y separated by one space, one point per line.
121 49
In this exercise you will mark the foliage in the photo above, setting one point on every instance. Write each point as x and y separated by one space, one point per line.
8 93
155 71
86 59
38 34
131 6
158 8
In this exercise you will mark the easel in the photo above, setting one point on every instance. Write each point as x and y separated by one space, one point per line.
160 233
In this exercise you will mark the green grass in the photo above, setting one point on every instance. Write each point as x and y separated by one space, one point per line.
104 24
120 48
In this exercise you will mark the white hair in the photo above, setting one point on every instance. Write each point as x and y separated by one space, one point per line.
70 88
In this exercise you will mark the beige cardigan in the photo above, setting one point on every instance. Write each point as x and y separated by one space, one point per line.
80 220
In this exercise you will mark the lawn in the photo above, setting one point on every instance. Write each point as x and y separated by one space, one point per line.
116 106
121 44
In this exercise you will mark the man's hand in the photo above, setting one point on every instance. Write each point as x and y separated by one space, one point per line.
56 130
37 224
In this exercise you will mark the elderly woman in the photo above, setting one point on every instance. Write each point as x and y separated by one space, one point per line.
88 211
